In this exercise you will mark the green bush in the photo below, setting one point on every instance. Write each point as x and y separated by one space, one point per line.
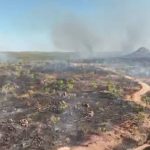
54 119
94 84
63 106
63 85
113 89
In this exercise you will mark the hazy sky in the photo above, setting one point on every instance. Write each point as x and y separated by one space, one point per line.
43 24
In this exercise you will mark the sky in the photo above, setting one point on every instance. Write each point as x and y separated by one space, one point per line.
74 25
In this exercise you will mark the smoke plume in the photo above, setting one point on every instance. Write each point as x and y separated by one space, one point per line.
74 35
123 30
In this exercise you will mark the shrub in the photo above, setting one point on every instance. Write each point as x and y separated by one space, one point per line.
146 99
94 84
63 105
63 85
113 89
54 119
69 85
9 88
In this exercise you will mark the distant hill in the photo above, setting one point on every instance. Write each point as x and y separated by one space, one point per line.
41 55
35 56
140 53
141 57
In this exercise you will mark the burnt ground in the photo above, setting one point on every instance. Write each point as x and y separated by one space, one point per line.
46 106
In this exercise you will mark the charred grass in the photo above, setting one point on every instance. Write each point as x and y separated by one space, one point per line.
42 108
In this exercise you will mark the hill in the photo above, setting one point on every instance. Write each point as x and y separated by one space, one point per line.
140 53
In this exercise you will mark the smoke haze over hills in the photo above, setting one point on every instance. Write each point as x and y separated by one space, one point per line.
124 30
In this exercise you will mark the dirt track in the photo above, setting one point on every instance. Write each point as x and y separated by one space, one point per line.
145 88
105 142
136 97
